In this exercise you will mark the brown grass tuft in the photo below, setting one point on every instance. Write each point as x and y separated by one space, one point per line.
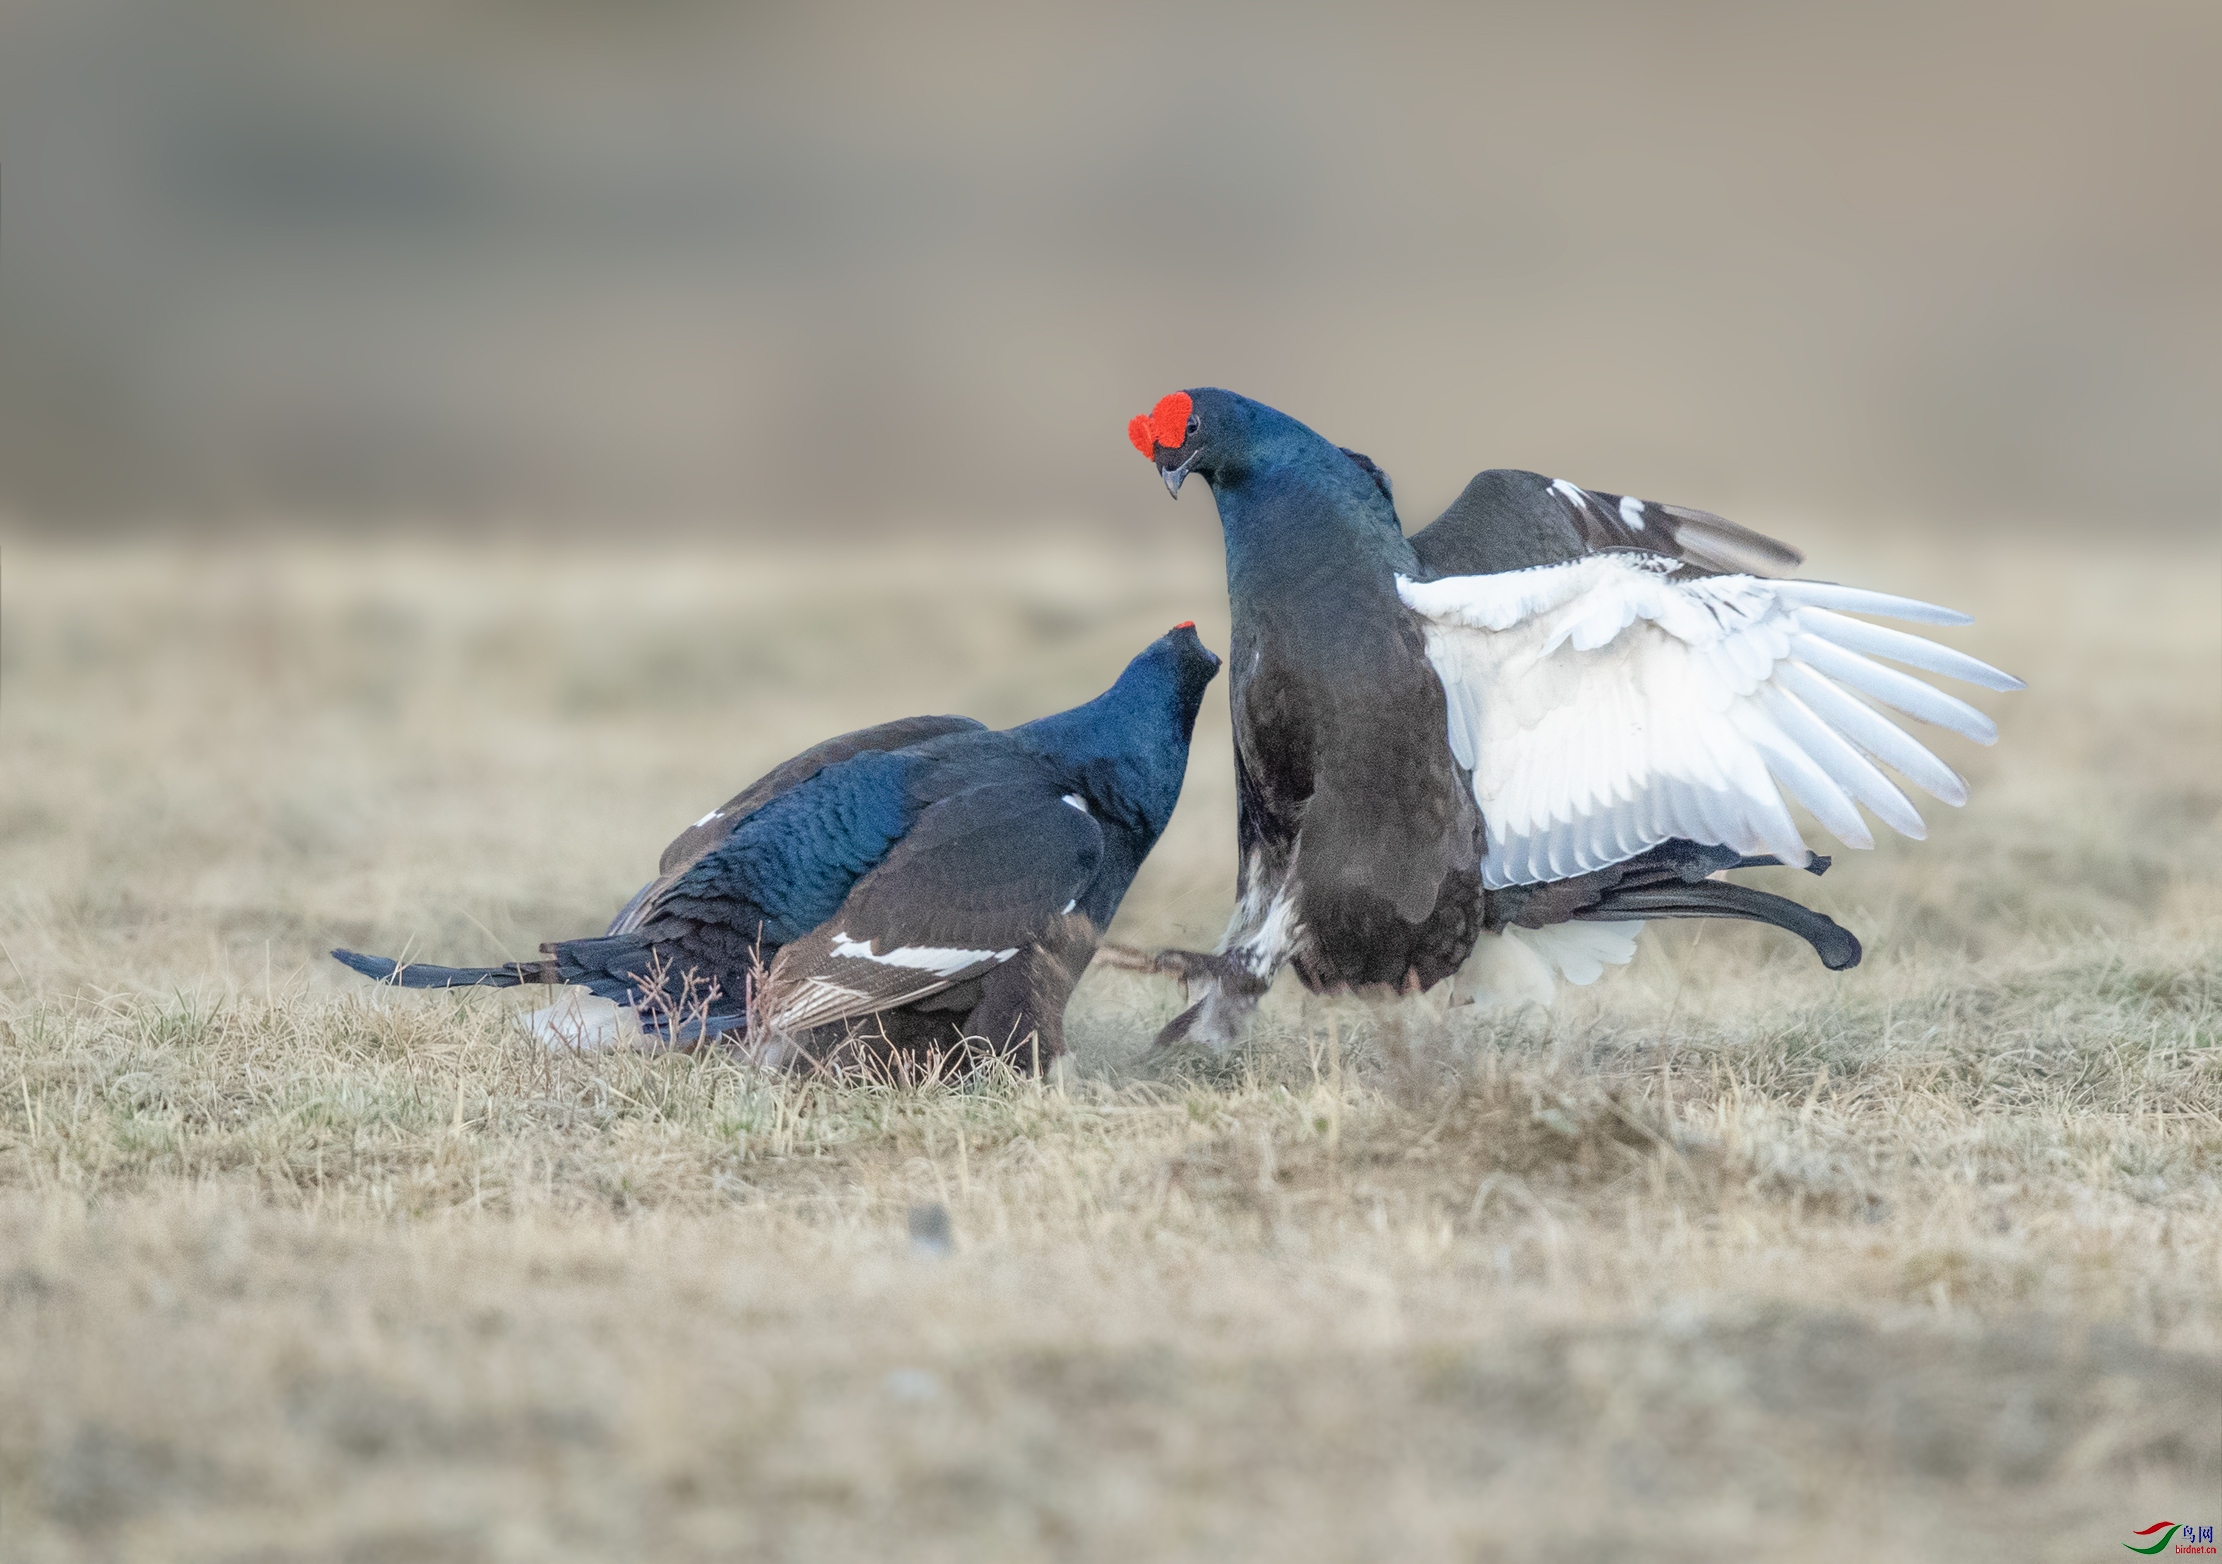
1920 1261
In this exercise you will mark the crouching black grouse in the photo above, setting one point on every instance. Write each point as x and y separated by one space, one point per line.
1553 714
925 884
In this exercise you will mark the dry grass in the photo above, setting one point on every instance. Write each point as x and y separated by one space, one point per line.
1727 1253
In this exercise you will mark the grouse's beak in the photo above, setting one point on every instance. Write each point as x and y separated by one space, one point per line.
1173 476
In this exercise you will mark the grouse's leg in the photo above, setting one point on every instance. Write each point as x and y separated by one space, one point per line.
1021 1013
1259 941
1231 991
1188 966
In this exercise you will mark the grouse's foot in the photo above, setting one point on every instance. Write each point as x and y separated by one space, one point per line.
1215 1021
1231 992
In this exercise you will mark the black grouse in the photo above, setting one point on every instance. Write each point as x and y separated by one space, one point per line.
1552 714
925 884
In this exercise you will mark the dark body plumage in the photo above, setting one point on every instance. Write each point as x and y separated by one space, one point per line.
1362 845
927 883
1329 687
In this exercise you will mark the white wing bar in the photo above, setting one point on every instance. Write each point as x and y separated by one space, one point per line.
1604 706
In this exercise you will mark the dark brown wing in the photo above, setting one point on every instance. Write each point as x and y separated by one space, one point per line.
1506 519
690 845
978 880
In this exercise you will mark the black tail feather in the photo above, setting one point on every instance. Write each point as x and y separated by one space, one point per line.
1816 864
417 975
1691 862
623 968
1831 941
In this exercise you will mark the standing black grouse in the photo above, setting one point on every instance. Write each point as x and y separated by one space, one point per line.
1552 714
924 884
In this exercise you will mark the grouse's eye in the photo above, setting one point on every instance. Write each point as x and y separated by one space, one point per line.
1194 424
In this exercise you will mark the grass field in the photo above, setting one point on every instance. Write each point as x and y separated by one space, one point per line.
1727 1256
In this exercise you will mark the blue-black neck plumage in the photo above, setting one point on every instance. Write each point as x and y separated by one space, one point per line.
1126 751
1298 514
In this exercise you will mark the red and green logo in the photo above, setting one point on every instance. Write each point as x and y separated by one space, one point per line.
2187 1537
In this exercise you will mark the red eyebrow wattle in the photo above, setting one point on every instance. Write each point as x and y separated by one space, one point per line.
1169 419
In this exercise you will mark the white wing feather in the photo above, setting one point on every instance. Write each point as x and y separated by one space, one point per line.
1605 706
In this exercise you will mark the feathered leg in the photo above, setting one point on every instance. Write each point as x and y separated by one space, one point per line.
1260 939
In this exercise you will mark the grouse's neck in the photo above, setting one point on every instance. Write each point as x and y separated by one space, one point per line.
1308 526
1126 750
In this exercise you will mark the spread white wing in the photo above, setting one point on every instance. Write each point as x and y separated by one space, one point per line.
1605 705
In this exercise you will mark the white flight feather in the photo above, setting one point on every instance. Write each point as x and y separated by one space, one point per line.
1827 594
1606 705
817 1000
1893 688
1873 732
940 960
1899 647
1845 765
814 1002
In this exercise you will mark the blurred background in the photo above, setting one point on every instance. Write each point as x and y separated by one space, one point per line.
446 448
825 270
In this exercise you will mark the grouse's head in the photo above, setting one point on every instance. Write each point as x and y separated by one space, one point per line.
1167 679
1166 434
1147 720
1181 654
1133 738
1217 434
